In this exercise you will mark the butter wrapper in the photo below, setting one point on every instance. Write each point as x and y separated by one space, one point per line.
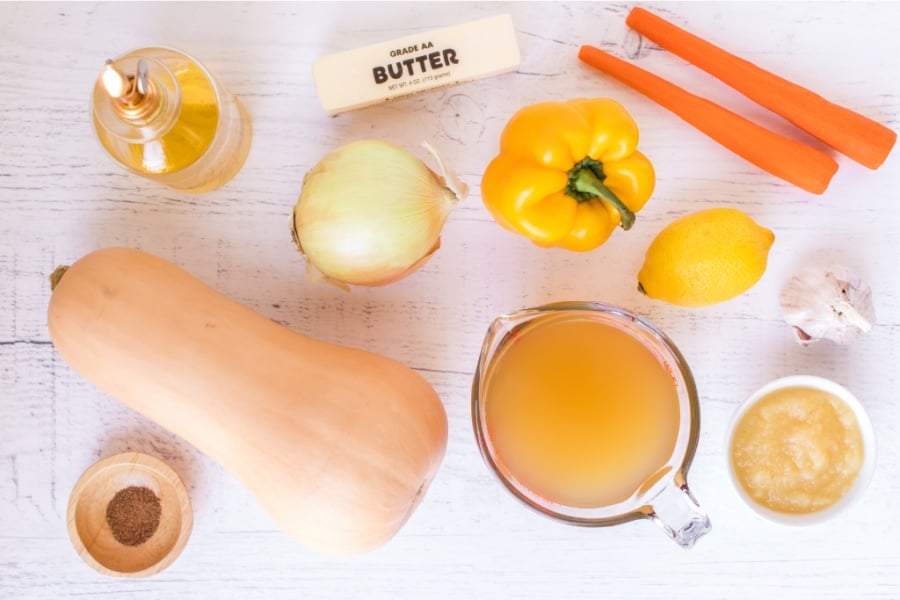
416 63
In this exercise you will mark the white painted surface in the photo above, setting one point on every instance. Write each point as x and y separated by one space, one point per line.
61 197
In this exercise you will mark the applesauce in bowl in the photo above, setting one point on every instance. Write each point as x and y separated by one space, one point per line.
800 450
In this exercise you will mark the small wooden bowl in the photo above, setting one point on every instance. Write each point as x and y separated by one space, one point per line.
91 535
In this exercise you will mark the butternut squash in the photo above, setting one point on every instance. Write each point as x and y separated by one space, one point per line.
337 444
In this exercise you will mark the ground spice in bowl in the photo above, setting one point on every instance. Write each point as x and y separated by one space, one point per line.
133 515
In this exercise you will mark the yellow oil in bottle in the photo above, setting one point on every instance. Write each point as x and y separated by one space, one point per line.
160 114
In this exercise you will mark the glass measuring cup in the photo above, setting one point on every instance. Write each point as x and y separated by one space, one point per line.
661 495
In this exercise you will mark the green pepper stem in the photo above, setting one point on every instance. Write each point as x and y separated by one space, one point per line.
584 180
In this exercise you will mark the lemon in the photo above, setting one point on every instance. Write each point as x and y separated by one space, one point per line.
705 257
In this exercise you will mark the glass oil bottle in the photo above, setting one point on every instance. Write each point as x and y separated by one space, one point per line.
161 114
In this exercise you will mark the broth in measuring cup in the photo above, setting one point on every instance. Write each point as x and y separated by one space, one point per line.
589 414
580 411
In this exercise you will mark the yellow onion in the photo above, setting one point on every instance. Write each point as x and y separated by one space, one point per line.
371 213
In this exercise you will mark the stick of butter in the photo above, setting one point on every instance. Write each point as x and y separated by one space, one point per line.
416 63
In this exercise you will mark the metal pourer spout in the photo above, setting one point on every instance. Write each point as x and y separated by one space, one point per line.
133 95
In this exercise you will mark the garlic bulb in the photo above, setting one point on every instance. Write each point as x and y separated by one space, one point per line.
831 304
371 213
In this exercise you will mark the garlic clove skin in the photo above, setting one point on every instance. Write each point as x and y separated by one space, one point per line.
833 303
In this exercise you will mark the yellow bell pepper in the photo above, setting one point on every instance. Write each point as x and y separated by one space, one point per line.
568 173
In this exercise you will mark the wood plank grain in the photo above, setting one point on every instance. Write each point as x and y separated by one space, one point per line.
61 196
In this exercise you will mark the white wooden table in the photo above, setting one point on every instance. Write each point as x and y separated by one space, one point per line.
61 197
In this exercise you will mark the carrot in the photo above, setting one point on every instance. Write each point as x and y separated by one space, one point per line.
783 157
850 133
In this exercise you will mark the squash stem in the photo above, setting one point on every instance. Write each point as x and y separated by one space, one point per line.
586 183
57 275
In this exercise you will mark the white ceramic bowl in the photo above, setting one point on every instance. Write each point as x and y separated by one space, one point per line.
865 472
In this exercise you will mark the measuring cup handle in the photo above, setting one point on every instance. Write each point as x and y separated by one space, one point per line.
676 510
